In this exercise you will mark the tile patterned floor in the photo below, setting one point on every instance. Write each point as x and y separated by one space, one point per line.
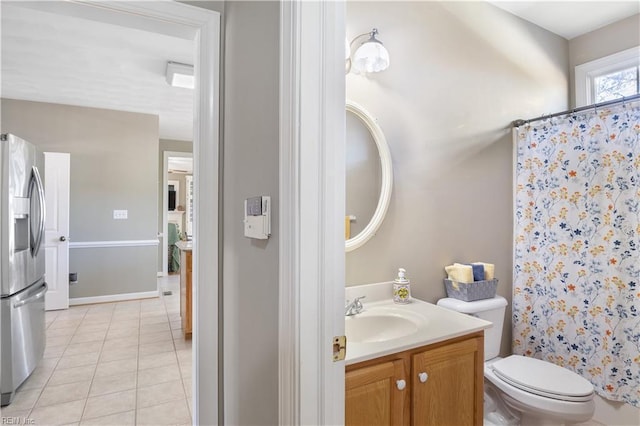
123 363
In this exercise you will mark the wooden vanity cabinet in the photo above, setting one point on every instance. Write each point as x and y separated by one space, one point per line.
186 271
444 386
373 396
447 384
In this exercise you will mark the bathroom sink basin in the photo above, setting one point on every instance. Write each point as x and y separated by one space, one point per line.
372 327
384 327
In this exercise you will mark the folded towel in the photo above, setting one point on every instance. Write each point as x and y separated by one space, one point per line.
478 271
489 269
460 273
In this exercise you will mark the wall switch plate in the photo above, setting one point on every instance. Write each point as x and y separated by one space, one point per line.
120 214
257 217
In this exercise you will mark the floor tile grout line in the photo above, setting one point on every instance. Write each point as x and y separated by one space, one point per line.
139 345
135 398
182 378
86 401
166 310
96 370
44 386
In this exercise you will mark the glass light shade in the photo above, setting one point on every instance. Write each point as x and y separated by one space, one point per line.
371 57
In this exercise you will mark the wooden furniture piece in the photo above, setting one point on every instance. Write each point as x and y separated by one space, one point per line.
186 249
439 384
373 396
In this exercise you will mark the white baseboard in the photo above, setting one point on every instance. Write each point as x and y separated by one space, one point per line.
112 298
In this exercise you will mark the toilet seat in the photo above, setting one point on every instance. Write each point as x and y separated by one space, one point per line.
525 401
543 378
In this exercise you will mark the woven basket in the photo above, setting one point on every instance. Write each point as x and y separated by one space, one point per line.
471 291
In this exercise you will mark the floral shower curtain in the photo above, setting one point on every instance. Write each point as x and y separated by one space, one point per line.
576 291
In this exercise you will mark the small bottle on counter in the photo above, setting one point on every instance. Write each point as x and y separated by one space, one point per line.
401 288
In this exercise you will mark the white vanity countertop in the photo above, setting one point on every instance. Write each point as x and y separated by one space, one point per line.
185 245
429 324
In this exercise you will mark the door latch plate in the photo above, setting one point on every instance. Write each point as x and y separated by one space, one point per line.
339 348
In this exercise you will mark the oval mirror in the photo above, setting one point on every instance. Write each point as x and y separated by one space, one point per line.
369 176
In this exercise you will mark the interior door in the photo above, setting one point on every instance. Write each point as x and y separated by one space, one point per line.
56 235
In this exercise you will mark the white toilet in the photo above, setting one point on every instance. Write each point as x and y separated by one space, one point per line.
521 390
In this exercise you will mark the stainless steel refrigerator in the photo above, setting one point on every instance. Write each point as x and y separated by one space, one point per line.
22 264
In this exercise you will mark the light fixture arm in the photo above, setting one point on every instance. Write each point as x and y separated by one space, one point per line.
371 35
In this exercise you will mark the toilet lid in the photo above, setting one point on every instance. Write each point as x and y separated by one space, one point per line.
543 378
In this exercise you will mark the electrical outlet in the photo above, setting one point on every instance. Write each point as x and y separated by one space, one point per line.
120 214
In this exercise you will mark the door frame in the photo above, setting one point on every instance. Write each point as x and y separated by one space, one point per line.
203 26
312 191
165 204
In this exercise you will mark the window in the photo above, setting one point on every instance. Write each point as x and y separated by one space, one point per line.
615 85
608 78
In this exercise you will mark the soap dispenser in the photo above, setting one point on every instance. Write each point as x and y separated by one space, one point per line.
401 288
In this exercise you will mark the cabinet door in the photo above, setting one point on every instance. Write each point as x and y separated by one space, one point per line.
447 385
185 291
373 396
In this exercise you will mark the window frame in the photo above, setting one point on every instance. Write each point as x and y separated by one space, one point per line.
189 205
586 73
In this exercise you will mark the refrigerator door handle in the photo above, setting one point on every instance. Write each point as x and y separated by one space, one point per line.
33 297
35 175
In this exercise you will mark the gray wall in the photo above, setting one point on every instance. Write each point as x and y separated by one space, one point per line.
113 166
605 41
249 155
459 74
250 168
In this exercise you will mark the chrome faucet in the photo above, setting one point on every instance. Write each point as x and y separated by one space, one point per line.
354 307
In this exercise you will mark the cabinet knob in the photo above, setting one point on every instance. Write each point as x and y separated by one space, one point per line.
401 384
423 377
63 238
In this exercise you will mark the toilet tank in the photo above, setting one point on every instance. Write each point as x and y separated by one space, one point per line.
491 310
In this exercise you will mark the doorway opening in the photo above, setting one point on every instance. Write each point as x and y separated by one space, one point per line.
177 196
203 27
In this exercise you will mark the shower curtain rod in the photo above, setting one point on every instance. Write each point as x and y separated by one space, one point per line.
518 123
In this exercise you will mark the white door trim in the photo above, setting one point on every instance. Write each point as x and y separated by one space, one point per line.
165 204
207 344
312 187
203 26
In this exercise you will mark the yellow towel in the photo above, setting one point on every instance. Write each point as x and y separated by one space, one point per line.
489 269
460 273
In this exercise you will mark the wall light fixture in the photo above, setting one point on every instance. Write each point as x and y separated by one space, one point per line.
370 56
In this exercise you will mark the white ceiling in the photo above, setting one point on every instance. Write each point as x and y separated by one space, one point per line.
56 58
571 19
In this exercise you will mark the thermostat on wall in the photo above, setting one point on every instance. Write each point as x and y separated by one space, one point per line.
257 217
